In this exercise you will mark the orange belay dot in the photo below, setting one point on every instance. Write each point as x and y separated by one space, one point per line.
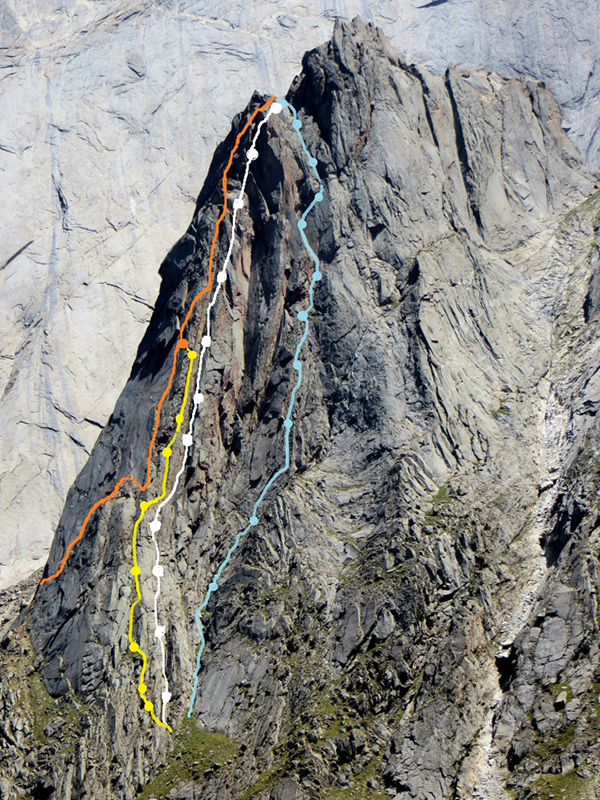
181 344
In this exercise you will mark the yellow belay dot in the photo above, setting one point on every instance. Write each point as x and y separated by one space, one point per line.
135 570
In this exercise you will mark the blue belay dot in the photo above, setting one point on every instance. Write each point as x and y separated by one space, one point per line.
297 124
253 520
319 197
317 276
213 586
288 423
313 162
298 365
302 316
302 224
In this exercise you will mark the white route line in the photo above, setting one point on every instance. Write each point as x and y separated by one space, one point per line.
187 438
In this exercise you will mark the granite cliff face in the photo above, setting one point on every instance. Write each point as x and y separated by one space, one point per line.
414 616
109 113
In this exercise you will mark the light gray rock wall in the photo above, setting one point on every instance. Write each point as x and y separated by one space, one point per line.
108 114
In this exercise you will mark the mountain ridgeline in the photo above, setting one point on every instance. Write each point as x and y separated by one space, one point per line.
415 613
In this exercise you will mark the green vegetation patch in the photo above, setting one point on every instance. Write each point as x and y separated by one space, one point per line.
569 786
438 502
441 496
593 705
195 752
352 793
557 688
43 707
551 745
359 789
586 206
265 781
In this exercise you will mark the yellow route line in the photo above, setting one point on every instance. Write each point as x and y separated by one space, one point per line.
135 570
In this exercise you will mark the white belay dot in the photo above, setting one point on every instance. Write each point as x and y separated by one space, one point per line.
198 398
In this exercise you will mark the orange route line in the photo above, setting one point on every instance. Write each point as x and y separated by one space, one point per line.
181 345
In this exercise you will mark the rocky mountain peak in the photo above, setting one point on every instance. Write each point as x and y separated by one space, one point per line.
386 625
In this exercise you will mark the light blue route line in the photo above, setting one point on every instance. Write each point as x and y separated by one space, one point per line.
287 423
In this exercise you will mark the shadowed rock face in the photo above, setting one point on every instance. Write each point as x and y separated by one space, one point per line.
424 577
